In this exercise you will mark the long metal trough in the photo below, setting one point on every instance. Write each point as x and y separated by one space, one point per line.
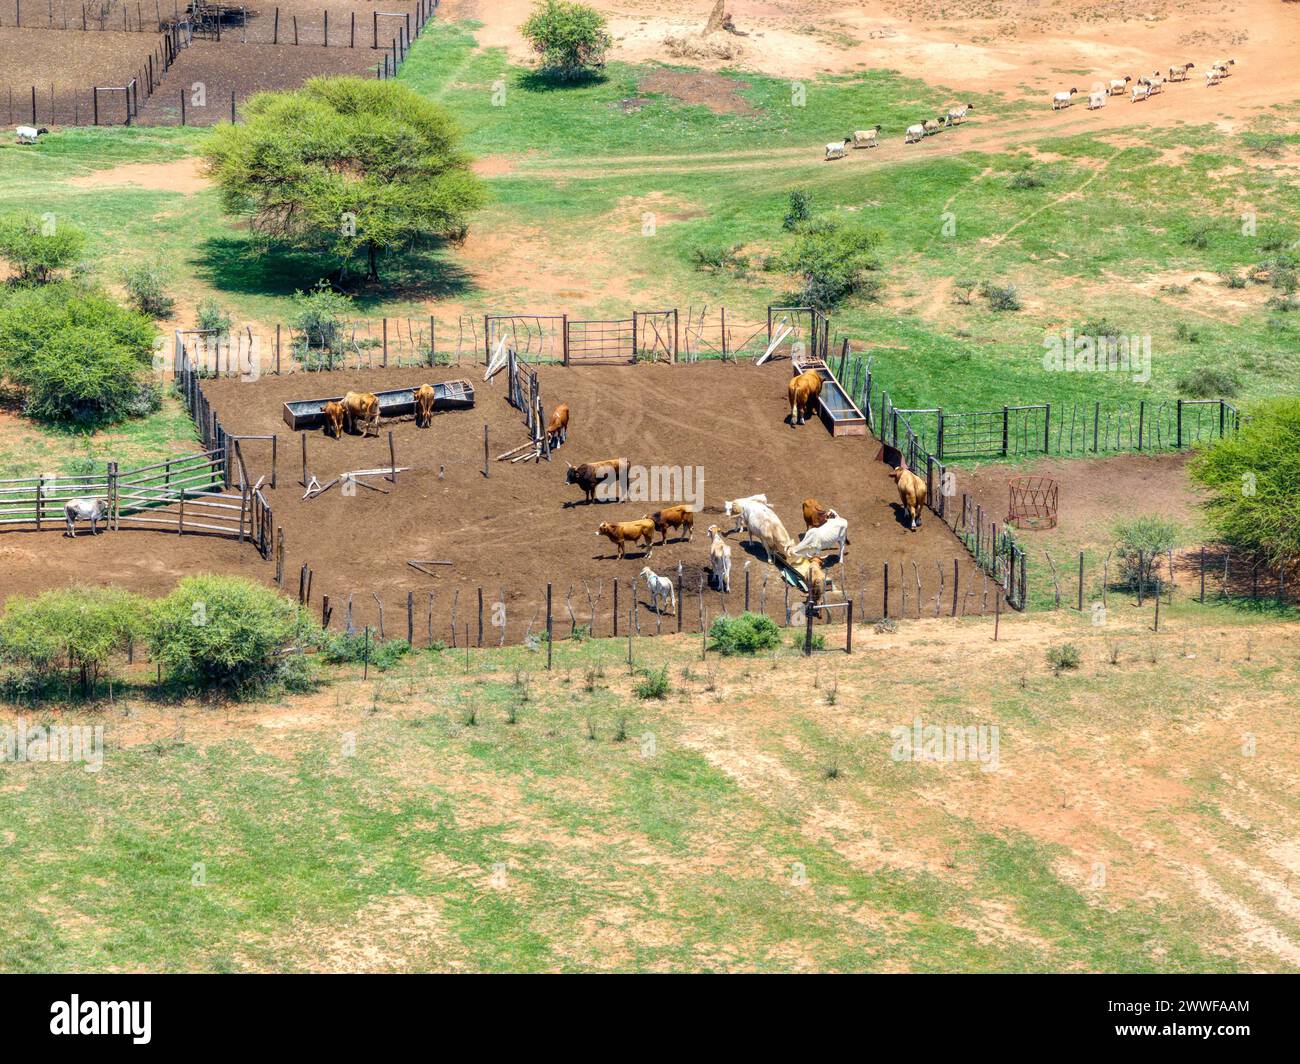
396 402
839 413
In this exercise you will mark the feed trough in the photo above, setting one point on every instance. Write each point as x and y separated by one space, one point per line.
396 402
839 413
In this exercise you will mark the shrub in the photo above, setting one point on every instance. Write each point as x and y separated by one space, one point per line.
146 290
798 211
37 248
1063 657
1209 382
319 316
1142 537
74 354
211 317
720 257
1001 297
832 262
1025 179
653 683
354 648
225 632
1252 479
747 634
570 38
1232 279
1198 235
70 631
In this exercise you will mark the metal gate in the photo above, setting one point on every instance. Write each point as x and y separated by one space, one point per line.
602 342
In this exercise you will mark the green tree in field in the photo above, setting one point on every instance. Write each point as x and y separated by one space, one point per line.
347 165
570 38
832 262
74 355
71 630
224 631
37 248
1254 483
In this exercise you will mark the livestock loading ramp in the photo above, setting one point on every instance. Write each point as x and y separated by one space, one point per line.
396 402
839 413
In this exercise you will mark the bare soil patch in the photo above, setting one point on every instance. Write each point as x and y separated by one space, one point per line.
713 91
183 175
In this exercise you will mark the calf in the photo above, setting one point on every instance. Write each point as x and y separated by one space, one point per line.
682 517
424 397
912 491
363 407
334 416
621 533
557 429
719 560
592 475
88 509
661 587
803 392
833 533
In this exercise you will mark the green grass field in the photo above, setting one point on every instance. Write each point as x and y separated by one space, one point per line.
494 817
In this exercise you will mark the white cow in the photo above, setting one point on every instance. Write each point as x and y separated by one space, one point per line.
732 508
760 520
88 509
829 536
661 587
719 559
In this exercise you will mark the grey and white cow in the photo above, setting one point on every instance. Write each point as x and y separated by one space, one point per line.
88 509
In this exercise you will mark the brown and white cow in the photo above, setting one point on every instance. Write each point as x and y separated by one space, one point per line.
591 476
334 416
424 397
621 533
362 407
803 392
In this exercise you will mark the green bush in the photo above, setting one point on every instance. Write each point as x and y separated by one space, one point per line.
832 262
720 257
1252 478
37 248
211 317
1025 179
653 683
1003 297
226 632
75 355
1142 537
146 290
319 317
570 38
354 649
1063 657
69 632
798 211
1209 382
747 634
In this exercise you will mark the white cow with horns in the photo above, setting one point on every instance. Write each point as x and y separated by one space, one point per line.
87 509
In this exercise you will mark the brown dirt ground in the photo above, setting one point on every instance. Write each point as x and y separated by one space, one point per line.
516 529
71 60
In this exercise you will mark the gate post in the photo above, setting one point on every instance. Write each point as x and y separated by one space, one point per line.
565 326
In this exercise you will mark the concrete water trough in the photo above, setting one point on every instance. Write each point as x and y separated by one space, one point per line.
396 402
839 413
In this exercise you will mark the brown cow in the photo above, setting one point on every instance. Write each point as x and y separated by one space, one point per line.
622 532
815 514
424 397
363 407
591 476
558 426
803 392
682 517
912 491
334 415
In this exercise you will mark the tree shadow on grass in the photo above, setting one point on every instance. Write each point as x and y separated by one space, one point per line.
550 81
239 264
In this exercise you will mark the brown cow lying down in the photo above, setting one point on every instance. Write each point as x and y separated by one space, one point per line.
682 517
912 491
815 514
591 475
622 532
803 392
362 407
557 429
424 397
334 415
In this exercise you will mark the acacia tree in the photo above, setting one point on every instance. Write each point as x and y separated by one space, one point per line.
347 165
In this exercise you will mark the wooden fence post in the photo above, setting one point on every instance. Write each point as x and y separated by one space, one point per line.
886 593
1080 581
549 627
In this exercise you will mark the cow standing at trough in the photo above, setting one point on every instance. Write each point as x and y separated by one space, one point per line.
362 407
620 533
88 509
333 416
803 392
424 400
760 521
591 476
681 516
